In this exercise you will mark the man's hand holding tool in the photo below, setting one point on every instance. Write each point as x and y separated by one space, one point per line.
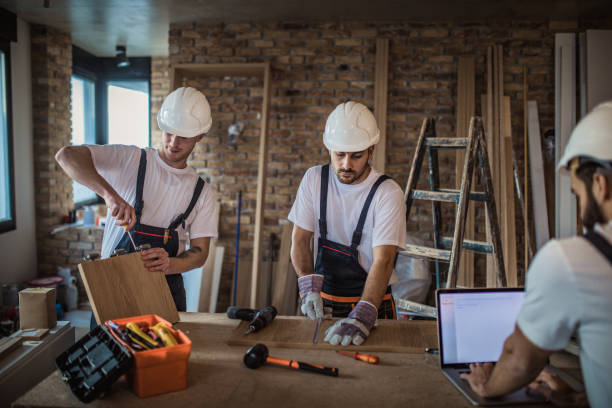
310 291
355 328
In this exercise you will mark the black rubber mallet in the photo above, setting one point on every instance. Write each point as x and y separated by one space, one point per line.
257 356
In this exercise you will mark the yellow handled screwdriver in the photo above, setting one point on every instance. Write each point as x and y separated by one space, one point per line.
130 235
368 358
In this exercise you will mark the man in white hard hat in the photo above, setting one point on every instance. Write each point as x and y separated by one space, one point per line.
152 194
569 286
358 218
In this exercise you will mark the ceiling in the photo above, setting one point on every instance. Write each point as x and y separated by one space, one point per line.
142 25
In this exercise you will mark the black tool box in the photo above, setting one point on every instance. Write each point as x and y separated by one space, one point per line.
94 363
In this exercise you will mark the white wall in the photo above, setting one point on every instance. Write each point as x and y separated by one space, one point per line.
18 247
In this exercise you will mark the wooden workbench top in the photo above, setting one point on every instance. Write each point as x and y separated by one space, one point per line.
218 378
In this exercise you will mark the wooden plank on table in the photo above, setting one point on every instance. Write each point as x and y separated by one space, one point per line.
465 110
381 81
8 344
538 184
298 332
121 286
284 279
216 278
508 216
565 120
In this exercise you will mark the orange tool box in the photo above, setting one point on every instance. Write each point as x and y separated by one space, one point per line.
159 370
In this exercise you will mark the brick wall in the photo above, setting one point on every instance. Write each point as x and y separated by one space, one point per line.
51 71
317 66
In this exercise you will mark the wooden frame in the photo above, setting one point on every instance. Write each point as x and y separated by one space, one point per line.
241 69
381 83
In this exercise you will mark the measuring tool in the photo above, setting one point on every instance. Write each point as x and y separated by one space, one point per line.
315 339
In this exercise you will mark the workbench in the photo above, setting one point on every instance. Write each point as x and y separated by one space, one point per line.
218 378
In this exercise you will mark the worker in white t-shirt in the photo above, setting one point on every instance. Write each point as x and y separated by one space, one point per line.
569 286
358 218
152 194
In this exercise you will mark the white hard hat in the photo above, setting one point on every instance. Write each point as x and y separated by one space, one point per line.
591 139
351 127
185 112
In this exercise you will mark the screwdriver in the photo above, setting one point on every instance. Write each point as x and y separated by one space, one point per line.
368 358
130 235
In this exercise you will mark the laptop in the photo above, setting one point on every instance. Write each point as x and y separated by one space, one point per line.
472 327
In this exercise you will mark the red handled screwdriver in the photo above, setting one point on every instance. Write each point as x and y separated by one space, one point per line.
368 358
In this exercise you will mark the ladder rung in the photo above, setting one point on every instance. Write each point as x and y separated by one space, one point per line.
434 196
423 252
474 195
446 142
476 246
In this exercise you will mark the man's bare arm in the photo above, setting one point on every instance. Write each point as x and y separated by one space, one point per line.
157 259
78 164
380 273
521 361
301 252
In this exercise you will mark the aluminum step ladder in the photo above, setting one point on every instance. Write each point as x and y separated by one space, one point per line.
475 147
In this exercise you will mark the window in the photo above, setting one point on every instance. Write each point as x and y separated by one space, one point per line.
128 113
110 105
7 187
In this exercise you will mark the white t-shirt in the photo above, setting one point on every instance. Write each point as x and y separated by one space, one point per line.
166 194
385 223
569 290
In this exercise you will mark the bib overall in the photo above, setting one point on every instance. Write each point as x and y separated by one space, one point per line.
159 237
344 278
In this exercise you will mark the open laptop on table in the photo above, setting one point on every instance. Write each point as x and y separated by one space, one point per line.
472 327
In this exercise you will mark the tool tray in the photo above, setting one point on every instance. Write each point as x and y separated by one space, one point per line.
94 363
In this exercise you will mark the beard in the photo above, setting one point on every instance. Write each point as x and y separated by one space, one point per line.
592 212
350 176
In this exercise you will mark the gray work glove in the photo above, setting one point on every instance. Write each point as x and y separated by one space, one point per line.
355 328
310 291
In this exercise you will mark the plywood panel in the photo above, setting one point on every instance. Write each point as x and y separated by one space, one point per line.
538 184
508 216
283 296
207 277
121 286
565 120
298 332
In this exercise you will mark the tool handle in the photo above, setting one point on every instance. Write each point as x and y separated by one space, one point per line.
298 365
368 358
332 371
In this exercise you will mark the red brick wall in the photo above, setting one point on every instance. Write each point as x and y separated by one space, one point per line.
315 67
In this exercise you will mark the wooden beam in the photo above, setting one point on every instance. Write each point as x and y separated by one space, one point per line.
488 117
284 281
508 216
526 237
538 183
261 185
465 110
381 81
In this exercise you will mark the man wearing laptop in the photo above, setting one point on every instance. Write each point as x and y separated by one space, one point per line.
569 286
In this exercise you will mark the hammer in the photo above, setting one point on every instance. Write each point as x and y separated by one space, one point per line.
257 356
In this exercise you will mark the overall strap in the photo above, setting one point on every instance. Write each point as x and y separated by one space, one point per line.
600 243
364 212
142 168
323 210
194 199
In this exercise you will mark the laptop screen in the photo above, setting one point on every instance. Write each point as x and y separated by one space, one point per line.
474 323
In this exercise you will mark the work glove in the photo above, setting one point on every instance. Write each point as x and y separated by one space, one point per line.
355 328
310 291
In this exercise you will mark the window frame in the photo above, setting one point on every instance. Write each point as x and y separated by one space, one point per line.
11 223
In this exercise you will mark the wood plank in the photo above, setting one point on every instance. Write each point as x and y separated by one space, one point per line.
423 252
465 110
284 281
508 216
121 286
207 278
526 236
565 120
243 287
297 332
381 82
261 185
538 184
488 117
8 344
216 278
